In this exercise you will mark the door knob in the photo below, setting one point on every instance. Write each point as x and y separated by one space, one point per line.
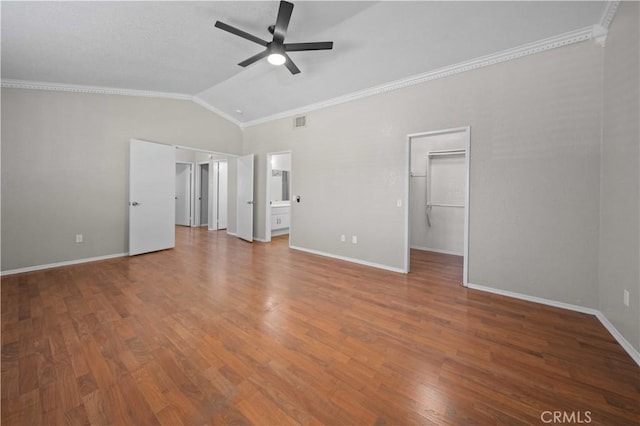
251 202
135 203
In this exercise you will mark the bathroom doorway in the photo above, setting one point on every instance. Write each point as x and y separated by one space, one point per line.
278 195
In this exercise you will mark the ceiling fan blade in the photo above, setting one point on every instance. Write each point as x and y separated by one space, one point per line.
254 58
298 47
240 33
291 66
282 22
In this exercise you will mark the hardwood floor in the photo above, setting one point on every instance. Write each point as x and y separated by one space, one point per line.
220 331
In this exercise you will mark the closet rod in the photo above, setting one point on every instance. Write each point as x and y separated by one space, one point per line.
444 205
448 152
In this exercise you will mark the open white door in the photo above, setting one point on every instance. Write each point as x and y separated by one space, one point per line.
223 193
183 194
152 173
244 211
219 193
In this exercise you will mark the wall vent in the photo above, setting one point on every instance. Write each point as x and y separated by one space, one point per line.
300 121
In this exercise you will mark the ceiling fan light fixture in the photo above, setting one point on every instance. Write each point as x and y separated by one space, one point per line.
276 59
276 49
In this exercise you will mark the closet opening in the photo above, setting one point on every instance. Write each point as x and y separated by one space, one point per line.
438 194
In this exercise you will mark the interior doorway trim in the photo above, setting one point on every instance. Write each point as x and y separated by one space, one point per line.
267 198
219 156
407 219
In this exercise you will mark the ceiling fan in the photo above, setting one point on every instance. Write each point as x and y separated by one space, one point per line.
276 50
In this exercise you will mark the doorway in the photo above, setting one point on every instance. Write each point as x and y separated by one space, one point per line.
278 195
438 194
202 194
208 188
183 194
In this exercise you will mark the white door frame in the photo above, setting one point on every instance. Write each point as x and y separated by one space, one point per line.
267 198
190 164
407 223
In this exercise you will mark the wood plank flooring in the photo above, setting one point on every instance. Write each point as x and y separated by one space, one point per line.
220 331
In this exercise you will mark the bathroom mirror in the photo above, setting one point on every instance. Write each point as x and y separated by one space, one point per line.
279 185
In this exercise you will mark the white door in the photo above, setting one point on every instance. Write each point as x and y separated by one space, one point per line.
219 194
244 211
222 195
152 175
183 194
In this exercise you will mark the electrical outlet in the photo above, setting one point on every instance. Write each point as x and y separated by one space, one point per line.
354 239
78 238
343 238
625 298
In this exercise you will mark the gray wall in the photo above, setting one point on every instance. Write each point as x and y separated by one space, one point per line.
65 167
535 152
185 155
550 215
620 185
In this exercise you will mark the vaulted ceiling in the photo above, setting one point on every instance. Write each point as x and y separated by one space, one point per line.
173 47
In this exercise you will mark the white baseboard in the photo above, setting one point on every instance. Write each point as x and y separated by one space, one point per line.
349 259
454 253
633 353
535 299
233 234
619 337
261 240
58 264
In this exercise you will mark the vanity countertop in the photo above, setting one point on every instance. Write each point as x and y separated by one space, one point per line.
280 203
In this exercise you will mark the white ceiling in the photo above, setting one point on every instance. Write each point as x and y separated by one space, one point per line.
173 47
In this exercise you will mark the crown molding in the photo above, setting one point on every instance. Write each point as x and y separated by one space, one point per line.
565 39
600 35
204 104
608 13
97 90
597 32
